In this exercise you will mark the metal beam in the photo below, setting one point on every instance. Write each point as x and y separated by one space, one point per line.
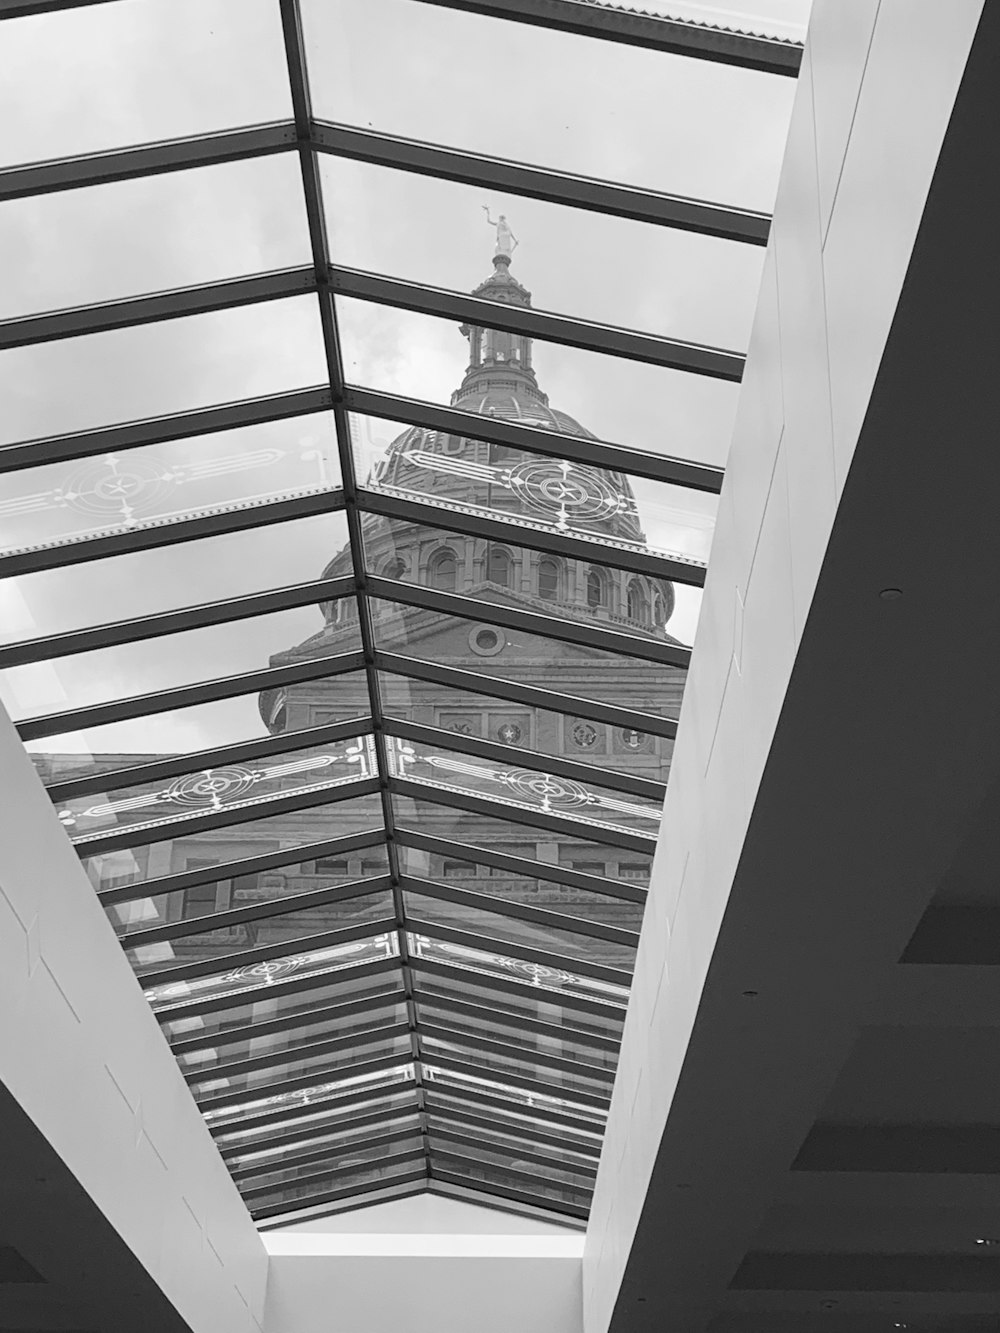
362 1193
537 1086
524 953
283 803
332 1016
468 1119
586 774
449 1186
573 546
518 911
496 1102
533 439
531 696
176 766
611 834
455 1162
260 911
151 159
187 696
265 1091
179 303
449 1174
319 1155
449 1137
306 1134
541 1060
584 634
353 1042
16 9
199 616
701 41
455 1008
249 865
210 523
229 962
554 187
563 330
461 976
361 1097
522 866
389 1162
164 429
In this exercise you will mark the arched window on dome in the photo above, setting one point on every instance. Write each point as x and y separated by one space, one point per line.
499 567
395 568
636 601
659 615
442 572
597 588
548 579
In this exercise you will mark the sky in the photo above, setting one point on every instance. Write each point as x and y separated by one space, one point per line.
140 70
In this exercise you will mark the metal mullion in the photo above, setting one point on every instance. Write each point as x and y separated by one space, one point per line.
469 1120
555 1032
210 523
586 774
563 330
249 865
306 1135
493 1101
291 20
531 1056
133 311
514 1080
261 911
474 1190
518 911
582 633
331 1015
356 1041
227 1100
164 429
683 37
518 865
207 967
16 9
114 634
456 1159
519 532
465 976
337 1173
541 1159
360 1194
187 696
533 439
149 159
278 990
262 1119
317 1155
242 752
611 834
284 803
522 952
531 696
533 182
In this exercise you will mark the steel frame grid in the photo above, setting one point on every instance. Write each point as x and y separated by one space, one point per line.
308 138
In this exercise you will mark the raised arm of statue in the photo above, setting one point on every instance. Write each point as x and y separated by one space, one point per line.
506 240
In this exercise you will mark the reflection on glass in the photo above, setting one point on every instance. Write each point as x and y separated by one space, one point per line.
321 1093
315 963
451 1079
513 1156
534 1002
509 1066
510 1124
303 1121
562 1041
212 1089
303 1179
246 1164
541 975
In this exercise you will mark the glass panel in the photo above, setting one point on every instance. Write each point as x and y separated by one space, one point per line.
545 1186
172 366
182 731
448 1080
562 1042
625 402
155 69
290 929
333 1117
366 1177
720 130
162 664
494 926
541 1004
495 964
196 227
146 487
541 730
204 901
513 1156
521 788
493 1136
290 1039
315 1176
694 287
267 1005
323 1092
210 1089
334 1142
454 1110
503 1066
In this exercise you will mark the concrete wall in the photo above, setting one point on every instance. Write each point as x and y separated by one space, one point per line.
83 1056
876 89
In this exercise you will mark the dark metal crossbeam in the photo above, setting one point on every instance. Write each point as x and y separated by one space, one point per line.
518 911
290 1161
463 976
454 1161
486 1194
306 1133
535 1085
538 1059
517 951
259 1092
355 1041
390 1161
564 330
405 1182
702 41
562 1033
468 1119
16 9
479 1099
522 866
573 546
554 187
449 1139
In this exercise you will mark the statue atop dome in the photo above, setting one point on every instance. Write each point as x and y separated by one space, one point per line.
506 240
